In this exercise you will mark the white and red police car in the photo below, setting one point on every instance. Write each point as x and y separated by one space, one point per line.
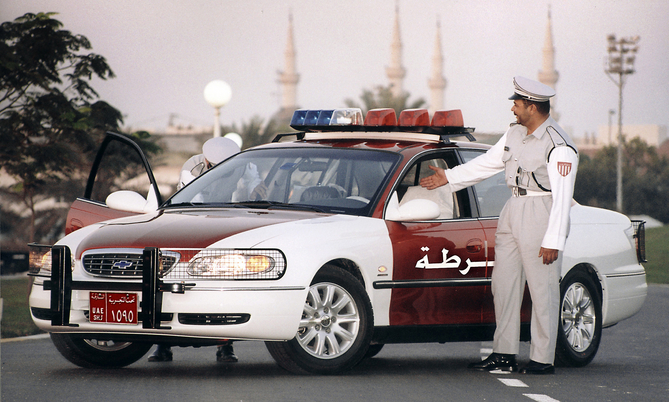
324 245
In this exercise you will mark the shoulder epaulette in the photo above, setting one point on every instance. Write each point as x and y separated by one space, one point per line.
558 139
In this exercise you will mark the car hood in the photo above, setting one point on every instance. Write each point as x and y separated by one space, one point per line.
184 229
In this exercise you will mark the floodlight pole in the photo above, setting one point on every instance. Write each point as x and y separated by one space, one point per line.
620 63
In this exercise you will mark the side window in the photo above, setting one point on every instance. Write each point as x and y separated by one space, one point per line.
120 165
410 189
491 193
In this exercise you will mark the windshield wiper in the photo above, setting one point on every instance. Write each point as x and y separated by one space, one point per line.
279 205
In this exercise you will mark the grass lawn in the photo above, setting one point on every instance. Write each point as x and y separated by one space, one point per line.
16 319
657 254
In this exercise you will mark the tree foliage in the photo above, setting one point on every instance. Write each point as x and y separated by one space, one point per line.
254 131
645 180
51 121
382 97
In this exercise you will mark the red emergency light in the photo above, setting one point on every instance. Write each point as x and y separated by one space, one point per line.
381 117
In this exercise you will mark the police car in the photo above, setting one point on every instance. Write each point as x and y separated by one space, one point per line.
341 252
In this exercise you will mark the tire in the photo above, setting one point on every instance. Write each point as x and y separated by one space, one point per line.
96 353
335 329
580 326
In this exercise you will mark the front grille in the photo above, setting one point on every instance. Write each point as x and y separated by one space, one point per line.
213 319
122 265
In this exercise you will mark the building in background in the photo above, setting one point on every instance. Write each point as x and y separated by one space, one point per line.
548 75
437 81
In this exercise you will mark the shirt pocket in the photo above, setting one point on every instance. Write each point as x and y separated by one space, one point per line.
506 156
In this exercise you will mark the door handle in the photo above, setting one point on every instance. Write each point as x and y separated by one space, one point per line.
474 245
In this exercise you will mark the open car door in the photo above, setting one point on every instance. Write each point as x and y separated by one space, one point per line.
119 176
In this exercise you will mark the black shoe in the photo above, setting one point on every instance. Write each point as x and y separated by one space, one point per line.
537 368
161 354
496 361
226 354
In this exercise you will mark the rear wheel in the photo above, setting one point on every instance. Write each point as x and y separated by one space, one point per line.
98 353
335 330
580 327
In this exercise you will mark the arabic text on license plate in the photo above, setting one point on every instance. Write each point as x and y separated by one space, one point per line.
117 308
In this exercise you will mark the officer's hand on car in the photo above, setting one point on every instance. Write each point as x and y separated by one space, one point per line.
438 179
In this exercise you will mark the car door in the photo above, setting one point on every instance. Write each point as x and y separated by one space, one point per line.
119 158
490 196
439 265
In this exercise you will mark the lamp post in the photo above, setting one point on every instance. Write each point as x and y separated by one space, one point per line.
619 64
217 93
611 113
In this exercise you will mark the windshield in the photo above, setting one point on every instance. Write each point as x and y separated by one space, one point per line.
335 180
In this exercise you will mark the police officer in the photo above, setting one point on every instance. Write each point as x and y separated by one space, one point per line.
539 160
214 151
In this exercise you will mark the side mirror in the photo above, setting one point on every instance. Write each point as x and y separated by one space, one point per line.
414 210
131 201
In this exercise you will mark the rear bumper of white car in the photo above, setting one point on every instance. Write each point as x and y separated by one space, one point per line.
626 294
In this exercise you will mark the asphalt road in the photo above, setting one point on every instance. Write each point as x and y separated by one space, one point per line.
631 366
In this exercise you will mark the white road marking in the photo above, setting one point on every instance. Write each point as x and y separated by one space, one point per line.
512 382
498 371
540 398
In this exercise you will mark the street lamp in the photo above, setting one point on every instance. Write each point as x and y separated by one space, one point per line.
611 113
217 93
620 63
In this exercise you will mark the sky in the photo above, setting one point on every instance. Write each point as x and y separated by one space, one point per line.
163 54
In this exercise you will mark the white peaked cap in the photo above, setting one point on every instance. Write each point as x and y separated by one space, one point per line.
531 90
218 149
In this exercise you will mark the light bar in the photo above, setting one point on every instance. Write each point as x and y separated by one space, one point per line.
311 117
346 117
328 117
381 117
324 117
340 123
448 118
414 117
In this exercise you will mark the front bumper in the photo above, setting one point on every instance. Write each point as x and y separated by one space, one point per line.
197 310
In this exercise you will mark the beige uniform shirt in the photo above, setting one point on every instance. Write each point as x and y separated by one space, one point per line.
542 162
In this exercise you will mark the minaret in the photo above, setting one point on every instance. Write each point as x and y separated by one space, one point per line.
548 75
437 82
288 78
395 71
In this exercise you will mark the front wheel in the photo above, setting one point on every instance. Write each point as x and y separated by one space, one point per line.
335 329
98 353
580 327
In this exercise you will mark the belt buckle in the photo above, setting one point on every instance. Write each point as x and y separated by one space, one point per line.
517 191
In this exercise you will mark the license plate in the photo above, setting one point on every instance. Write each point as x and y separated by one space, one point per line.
116 308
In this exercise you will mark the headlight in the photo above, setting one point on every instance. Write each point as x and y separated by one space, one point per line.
40 259
237 264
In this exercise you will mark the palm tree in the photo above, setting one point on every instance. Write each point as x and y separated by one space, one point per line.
382 97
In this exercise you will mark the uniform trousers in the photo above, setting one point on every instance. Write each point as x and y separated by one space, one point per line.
520 231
